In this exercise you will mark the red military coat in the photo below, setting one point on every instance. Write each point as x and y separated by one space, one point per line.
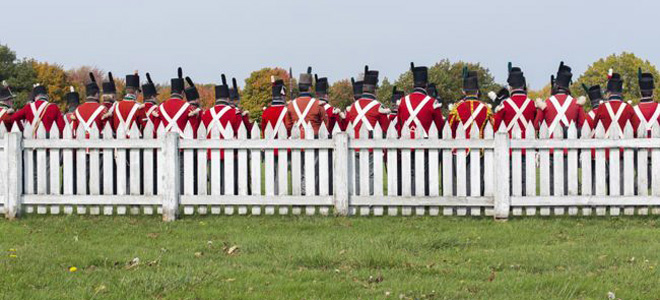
367 112
470 112
89 114
174 114
273 115
419 110
40 112
564 109
6 118
617 110
518 109
128 112
219 116
590 117
333 118
149 109
648 113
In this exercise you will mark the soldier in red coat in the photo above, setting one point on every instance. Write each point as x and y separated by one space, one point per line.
647 110
321 89
305 109
109 96
394 112
6 103
235 102
469 111
561 108
419 110
367 111
40 112
273 115
72 102
595 98
128 111
222 115
615 113
175 113
90 113
149 94
517 108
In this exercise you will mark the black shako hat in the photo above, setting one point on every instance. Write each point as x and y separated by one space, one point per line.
370 76
564 76
516 77
91 88
278 89
191 90
72 97
306 79
149 88
594 93
470 80
109 86
645 80
420 75
396 95
615 84
177 83
222 90
321 84
357 88
233 92
133 81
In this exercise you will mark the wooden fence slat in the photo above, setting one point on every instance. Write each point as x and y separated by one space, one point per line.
296 174
282 170
628 169
420 165
530 168
324 170
255 167
121 162
67 168
363 184
601 187
392 169
448 178
148 172
461 172
94 170
135 168
229 171
434 170
572 167
216 175
310 167
655 168
54 167
242 167
406 172
544 166
614 169
516 169
42 179
81 169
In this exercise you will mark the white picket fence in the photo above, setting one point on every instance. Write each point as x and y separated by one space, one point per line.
380 173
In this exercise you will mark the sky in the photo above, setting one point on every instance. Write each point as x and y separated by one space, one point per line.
337 38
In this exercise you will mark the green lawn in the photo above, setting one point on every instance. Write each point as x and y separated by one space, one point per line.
273 257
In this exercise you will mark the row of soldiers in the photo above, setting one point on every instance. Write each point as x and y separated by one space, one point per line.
418 110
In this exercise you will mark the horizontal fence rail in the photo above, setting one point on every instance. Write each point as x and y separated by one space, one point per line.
464 172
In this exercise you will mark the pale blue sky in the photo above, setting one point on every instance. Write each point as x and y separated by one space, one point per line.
336 37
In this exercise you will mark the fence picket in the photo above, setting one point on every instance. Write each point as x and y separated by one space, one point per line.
448 178
544 166
628 169
530 167
296 174
585 163
135 168
188 174
325 165
558 168
216 175
242 160
148 159
310 167
461 172
121 162
81 169
108 167
601 187
392 169
572 167
420 165
475 170
94 170
255 168
229 170
54 167
614 164
516 169
434 170
67 167
42 179
655 168
406 169
363 184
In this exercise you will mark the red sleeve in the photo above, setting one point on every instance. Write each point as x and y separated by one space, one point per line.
539 118
498 118
438 118
634 120
581 116
383 121
60 122
19 115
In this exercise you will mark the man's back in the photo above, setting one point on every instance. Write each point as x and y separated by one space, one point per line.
309 110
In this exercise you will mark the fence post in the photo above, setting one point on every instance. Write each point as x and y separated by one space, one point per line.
171 181
502 182
14 174
340 141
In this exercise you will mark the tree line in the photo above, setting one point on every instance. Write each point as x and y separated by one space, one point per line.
21 74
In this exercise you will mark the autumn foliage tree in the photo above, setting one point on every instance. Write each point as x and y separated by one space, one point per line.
341 94
18 73
258 90
448 78
54 78
625 64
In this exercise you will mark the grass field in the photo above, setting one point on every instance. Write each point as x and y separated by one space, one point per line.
329 258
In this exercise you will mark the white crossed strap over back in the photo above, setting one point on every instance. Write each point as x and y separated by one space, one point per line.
362 113
615 118
647 123
302 115
172 121
215 120
130 119
279 121
519 116
414 112
87 124
561 112
473 116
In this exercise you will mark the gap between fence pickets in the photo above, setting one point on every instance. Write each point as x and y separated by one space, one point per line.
16 145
